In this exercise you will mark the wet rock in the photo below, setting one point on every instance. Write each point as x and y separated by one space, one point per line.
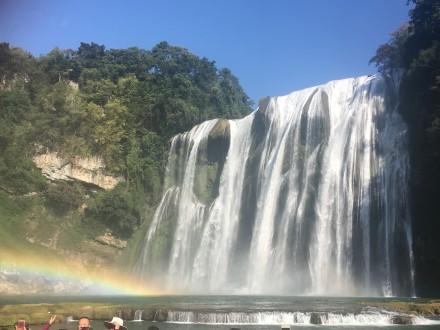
263 103
109 239
218 141
148 314
127 314
315 318
211 158
220 129
161 315
401 319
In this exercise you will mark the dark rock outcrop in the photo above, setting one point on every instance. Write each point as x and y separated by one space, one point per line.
263 103
401 319
315 318
210 161
161 315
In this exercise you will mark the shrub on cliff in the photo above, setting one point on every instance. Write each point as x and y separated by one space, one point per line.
117 210
63 197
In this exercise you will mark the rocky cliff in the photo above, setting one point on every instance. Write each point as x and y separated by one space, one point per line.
90 170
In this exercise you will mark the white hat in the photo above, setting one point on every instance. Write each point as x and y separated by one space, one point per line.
115 320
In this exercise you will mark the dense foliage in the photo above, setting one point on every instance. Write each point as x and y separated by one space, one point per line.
414 49
120 104
63 197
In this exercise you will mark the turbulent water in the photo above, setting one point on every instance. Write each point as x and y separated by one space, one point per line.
372 317
306 195
210 312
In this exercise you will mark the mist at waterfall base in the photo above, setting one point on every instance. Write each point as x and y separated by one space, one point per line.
308 195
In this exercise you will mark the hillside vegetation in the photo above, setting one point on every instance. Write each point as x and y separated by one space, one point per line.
121 105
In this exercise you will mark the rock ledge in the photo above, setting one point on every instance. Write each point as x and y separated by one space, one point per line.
89 170
108 239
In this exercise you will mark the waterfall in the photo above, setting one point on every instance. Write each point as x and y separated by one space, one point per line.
138 315
306 195
362 319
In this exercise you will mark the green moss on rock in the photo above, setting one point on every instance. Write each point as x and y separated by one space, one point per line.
210 161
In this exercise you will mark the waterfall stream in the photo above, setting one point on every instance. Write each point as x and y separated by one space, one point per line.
306 195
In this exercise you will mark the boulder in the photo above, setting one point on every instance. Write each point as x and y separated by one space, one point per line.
401 319
315 318
148 314
161 315
108 239
127 314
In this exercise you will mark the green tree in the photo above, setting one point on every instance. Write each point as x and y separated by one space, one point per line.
63 197
116 210
58 64
417 54
122 105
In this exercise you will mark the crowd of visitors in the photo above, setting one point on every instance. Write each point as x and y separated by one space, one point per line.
83 323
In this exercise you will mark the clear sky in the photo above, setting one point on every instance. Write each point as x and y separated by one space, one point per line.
272 46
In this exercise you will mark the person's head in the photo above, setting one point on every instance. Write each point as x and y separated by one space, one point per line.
83 323
115 324
21 325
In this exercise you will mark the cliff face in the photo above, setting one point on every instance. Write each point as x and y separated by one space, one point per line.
90 170
424 146
31 228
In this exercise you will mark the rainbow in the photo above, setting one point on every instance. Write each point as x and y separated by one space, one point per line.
100 281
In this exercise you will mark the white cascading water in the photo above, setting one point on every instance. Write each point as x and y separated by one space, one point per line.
367 318
312 199
220 231
138 315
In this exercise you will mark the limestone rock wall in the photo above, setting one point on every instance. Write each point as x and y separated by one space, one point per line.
90 170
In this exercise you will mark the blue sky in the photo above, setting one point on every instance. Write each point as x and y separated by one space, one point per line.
272 46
